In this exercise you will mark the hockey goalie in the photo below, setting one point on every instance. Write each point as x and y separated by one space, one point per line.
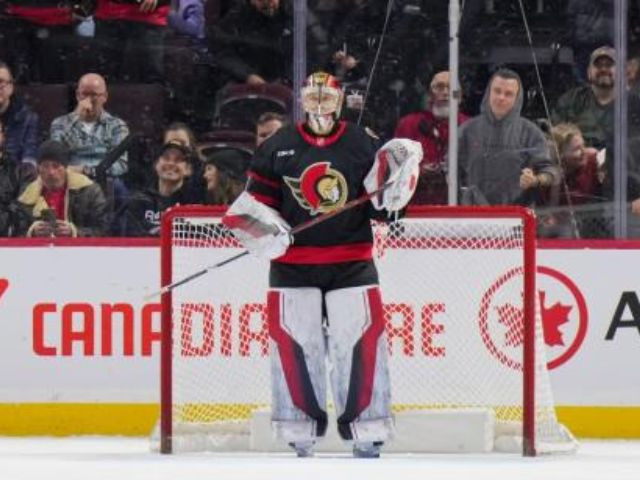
324 304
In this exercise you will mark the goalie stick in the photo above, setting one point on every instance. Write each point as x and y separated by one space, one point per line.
297 229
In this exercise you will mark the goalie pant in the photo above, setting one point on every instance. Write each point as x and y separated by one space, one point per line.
324 302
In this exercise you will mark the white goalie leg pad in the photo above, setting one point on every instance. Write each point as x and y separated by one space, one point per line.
358 363
298 372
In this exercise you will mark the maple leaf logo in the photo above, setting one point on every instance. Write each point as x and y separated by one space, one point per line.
511 317
552 318
4 284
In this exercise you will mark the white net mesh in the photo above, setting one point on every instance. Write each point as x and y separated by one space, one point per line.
453 295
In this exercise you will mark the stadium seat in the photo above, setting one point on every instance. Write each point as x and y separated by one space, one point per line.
214 141
48 101
239 106
140 105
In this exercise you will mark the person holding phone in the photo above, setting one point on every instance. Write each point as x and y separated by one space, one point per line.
62 202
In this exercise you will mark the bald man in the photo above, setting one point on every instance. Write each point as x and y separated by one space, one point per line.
89 131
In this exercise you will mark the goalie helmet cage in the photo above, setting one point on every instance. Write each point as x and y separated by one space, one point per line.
216 376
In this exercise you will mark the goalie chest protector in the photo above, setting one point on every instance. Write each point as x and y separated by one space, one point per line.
302 176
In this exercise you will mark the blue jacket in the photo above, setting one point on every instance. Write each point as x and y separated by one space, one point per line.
188 19
21 131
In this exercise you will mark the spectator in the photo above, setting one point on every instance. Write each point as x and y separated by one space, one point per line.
268 123
591 106
188 18
181 133
173 165
399 58
132 33
20 123
14 177
430 127
503 157
225 173
39 33
591 23
633 75
253 43
582 178
62 202
90 131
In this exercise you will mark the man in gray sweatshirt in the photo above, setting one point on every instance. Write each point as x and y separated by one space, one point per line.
503 157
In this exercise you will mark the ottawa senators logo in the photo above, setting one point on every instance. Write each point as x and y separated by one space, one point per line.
319 189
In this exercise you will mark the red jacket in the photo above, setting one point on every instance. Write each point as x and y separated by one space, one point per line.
43 12
129 10
583 183
433 135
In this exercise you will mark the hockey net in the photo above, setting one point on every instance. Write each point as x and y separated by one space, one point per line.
464 335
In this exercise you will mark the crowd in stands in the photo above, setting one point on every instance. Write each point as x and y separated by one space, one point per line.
112 111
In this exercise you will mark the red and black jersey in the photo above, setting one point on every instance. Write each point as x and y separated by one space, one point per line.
42 12
302 176
129 10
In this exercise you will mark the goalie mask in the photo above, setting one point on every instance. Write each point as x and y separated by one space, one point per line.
322 101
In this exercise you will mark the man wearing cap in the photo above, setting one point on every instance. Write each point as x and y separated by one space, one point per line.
173 165
62 202
591 106
225 173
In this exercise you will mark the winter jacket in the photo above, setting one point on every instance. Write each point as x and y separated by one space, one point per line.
21 131
189 18
492 154
595 121
85 205
14 177
433 135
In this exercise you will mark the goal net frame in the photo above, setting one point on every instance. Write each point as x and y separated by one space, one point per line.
527 218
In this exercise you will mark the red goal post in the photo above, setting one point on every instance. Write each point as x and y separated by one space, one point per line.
460 265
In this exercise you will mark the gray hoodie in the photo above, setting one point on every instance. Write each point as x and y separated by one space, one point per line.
492 154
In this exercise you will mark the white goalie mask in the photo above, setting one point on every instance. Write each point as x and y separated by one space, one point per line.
322 99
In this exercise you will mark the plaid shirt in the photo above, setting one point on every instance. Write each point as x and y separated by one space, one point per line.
90 148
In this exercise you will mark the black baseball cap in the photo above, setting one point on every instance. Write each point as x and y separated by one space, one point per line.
232 161
172 144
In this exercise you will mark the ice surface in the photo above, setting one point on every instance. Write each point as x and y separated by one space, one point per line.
119 458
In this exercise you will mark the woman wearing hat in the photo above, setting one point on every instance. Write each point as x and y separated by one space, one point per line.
225 174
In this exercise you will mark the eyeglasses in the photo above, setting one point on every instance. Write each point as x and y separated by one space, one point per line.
91 94
5 83
439 87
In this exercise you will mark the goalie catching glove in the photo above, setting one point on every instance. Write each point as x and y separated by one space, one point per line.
259 228
398 163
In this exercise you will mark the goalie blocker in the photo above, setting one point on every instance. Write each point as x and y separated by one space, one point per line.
324 301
